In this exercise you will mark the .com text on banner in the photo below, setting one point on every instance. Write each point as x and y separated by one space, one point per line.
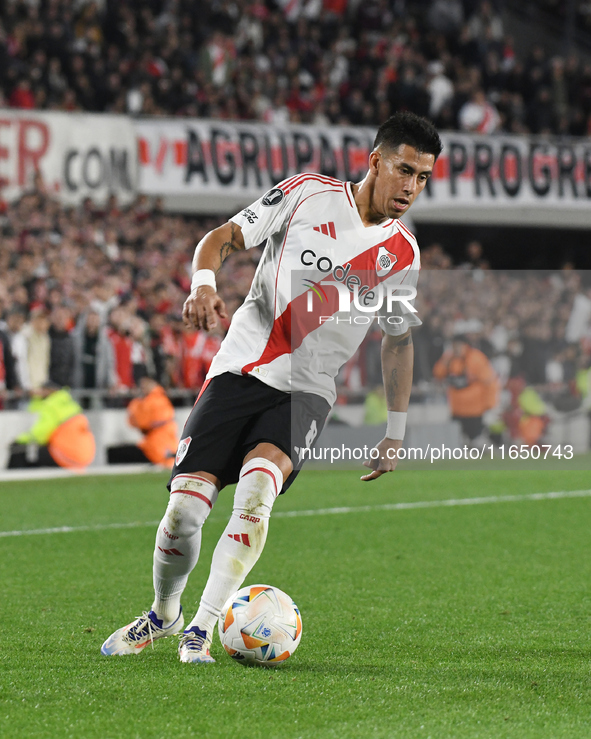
78 155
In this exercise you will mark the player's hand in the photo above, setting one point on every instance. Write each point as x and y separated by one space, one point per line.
386 461
202 308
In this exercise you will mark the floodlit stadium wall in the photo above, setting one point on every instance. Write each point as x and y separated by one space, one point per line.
207 166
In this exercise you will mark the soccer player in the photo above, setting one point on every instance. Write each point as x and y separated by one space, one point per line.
271 385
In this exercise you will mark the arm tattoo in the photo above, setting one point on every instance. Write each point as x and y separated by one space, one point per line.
228 246
405 342
392 385
401 344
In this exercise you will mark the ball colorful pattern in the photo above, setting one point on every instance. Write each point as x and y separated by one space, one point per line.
260 625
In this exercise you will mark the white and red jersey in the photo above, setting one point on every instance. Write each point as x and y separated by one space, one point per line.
299 323
122 348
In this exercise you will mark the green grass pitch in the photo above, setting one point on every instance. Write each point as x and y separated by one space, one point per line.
444 622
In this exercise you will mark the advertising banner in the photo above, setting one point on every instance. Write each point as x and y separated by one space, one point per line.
519 179
220 165
78 155
208 166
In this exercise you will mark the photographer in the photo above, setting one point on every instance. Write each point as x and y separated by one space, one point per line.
472 385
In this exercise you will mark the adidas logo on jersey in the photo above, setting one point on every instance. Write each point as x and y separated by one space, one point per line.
327 229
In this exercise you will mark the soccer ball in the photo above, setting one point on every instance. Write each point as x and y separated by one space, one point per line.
260 625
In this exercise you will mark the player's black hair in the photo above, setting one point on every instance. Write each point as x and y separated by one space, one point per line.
410 129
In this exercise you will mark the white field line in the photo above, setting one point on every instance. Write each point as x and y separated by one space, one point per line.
450 503
51 473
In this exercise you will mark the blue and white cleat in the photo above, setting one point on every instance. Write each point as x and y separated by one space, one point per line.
131 639
194 646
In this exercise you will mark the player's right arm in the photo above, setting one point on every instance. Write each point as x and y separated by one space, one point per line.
203 306
252 226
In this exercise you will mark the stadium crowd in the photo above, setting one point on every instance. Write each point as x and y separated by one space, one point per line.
557 11
315 61
531 325
91 298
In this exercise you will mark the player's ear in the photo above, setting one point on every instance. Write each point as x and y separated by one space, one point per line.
374 162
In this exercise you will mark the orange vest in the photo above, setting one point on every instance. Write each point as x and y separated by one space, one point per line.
153 415
72 443
482 390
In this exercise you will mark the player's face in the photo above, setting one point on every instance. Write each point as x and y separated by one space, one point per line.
399 178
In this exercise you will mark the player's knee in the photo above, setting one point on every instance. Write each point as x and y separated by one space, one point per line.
260 483
183 516
191 500
271 454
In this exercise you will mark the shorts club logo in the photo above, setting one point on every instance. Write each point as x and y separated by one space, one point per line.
385 261
273 197
182 450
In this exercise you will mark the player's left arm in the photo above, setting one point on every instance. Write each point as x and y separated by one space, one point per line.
397 368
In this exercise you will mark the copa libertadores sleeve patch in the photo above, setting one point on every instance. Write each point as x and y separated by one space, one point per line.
273 197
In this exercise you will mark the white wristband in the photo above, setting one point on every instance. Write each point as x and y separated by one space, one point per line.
396 425
203 277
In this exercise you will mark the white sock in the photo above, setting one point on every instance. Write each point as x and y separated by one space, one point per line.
178 541
243 539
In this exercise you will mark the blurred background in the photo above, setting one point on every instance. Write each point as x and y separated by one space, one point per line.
130 129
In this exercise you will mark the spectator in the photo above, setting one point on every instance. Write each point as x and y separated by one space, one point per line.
121 343
8 376
94 362
485 24
440 88
61 362
540 115
474 256
21 96
479 115
141 355
536 351
36 333
579 321
446 16
198 351
15 321
157 327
